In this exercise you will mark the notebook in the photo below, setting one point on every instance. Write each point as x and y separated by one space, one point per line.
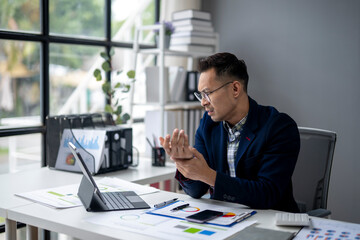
96 201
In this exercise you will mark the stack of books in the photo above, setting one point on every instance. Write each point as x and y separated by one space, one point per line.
193 32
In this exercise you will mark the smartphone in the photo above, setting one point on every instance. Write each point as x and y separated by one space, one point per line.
204 216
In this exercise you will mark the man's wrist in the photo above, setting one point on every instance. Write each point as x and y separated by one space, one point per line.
210 178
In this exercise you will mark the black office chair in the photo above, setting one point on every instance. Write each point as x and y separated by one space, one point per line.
312 172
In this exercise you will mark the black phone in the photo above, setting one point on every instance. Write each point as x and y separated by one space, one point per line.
204 216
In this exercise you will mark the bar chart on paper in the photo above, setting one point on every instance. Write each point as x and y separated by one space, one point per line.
163 227
183 229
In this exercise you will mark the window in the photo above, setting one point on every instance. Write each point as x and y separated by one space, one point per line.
72 88
19 15
80 18
19 83
48 52
20 152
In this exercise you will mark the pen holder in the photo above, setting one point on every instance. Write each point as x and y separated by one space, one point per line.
158 156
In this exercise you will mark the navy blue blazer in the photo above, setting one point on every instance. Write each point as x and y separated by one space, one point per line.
265 161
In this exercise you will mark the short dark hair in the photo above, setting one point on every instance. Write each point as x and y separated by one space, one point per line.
226 64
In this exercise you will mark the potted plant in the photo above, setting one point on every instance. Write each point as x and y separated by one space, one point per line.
113 105
169 29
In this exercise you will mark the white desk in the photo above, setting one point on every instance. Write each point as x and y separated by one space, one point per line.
43 178
71 221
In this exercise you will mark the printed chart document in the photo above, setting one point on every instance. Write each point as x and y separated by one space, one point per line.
230 217
89 142
66 196
321 228
60 197
111 184
164 227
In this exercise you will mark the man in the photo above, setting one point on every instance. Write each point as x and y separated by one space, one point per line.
244 152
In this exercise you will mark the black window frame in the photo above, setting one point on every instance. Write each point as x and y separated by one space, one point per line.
45 39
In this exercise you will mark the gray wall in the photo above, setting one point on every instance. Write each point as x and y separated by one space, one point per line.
303 57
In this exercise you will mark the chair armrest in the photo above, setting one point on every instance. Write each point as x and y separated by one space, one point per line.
319 213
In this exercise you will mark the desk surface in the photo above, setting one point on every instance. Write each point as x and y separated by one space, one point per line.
145 173
43 178
71 221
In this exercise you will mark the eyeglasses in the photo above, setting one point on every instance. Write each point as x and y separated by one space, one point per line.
201 95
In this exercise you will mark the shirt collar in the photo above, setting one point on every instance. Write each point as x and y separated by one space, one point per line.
237 128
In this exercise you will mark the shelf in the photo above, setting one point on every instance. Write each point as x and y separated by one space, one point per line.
160 51
173 106
173 53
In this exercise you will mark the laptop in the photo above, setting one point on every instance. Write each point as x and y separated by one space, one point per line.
96 201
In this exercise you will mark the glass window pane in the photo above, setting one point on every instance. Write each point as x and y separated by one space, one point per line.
73 88
122 61
19 153
80 18
19 83
128 14
20 15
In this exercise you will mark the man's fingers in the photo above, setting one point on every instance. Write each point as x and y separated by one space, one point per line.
175 138
181 137
165 143
161 140
186 141
195 152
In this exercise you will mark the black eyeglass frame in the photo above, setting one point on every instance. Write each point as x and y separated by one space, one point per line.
201 95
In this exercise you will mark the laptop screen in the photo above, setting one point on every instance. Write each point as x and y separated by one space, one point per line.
84 168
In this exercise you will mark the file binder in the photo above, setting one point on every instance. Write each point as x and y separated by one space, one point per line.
118 152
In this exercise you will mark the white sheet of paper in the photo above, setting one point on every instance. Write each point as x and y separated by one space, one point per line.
60 197
321 228
66 196
112 184
164 227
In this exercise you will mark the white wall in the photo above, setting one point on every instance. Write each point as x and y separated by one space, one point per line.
303 57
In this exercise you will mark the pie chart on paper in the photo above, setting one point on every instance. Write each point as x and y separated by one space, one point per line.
229 214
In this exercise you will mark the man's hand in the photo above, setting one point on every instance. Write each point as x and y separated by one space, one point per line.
177 147
196 168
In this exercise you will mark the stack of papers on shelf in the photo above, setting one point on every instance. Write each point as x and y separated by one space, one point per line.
230 217
193 32
191 13
66 196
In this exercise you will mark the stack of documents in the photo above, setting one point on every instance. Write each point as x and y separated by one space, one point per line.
193 32
230 217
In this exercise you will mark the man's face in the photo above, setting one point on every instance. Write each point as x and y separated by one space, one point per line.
222 103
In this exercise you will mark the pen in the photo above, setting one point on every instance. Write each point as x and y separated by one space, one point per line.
159 205
149 142
180 207
243 216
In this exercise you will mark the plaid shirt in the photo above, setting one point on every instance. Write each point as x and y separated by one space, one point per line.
233 143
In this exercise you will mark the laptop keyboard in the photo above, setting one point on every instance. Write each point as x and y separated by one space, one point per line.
115 200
